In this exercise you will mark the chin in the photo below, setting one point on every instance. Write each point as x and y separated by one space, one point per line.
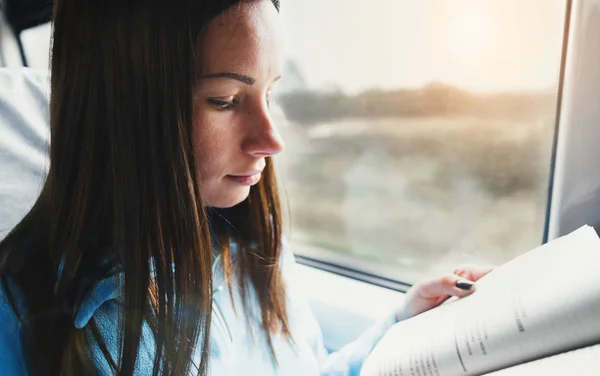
226 199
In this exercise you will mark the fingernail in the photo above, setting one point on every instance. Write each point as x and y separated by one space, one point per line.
464 285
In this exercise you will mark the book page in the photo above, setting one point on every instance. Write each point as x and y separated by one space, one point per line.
581 362
543 302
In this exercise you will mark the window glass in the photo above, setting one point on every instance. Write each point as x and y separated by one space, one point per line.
418 133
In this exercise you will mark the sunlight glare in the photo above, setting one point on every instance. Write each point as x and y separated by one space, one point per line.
468 35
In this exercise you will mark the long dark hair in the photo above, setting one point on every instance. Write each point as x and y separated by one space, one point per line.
122 196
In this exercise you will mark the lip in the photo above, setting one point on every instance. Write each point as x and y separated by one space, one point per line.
247 180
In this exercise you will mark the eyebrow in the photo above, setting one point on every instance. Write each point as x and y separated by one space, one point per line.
240 77
236 76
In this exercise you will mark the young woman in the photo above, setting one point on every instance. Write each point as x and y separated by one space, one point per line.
155 246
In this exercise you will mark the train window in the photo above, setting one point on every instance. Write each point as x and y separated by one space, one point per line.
418 133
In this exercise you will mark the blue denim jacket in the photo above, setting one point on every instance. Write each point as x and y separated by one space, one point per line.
237 345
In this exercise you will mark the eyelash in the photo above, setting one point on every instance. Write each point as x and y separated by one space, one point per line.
222 105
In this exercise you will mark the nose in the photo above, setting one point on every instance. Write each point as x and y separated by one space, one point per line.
263 139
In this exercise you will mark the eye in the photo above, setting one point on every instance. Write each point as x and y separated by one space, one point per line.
222 104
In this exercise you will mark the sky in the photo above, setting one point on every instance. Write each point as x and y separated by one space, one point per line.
478 45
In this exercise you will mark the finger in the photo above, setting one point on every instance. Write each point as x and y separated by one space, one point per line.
472 272
448 285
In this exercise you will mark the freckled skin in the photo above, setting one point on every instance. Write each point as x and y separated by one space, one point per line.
245 40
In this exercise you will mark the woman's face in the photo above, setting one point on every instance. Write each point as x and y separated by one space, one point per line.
233 130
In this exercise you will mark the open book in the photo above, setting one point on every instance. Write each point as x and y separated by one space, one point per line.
538 314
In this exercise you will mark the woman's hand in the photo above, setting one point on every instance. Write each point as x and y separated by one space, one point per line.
429 294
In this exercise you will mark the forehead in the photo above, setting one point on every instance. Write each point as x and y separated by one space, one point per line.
245 38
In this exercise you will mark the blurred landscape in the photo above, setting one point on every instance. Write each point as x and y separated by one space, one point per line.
417 181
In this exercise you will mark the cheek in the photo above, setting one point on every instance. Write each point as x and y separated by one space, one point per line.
205 145
213 145
218 153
